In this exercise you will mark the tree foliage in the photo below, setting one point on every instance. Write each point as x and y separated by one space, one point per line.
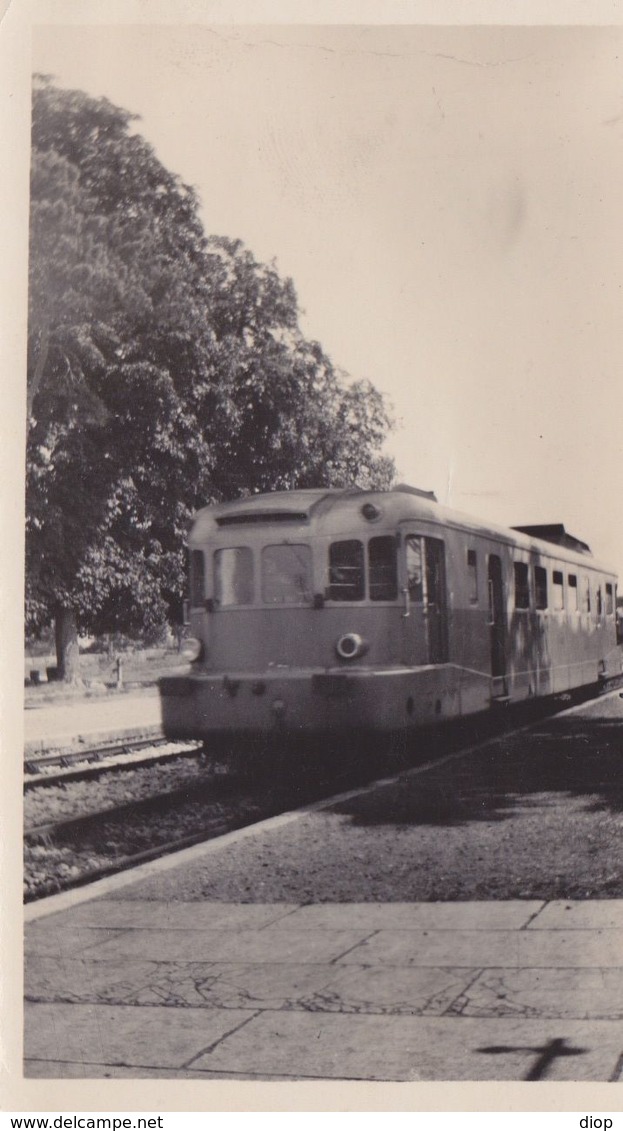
166 369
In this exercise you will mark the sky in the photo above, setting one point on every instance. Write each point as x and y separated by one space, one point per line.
448 202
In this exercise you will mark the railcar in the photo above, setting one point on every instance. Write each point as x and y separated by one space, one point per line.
336 611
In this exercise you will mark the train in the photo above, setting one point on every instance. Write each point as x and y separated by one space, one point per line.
345 611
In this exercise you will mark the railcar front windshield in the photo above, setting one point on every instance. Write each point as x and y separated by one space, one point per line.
233 576
286 575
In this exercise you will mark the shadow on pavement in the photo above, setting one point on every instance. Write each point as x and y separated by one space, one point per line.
573 757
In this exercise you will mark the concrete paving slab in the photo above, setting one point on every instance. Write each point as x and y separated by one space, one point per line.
489 948
63 938
393 990
488 915
124 1035
67 1070
72 978
55 1069
605 914
337 1046
268 945
188 1074
174 916
233 986
567 993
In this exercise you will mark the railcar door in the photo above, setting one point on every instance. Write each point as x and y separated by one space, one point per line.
425 614
497 620
436 612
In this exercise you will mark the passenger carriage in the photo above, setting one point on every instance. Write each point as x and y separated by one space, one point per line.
335 611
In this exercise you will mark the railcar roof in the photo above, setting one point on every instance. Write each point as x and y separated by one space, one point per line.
333 509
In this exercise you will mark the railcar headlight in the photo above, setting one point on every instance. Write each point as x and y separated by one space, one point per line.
192 649
350 646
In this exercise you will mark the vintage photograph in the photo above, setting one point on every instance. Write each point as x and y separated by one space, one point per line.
323 654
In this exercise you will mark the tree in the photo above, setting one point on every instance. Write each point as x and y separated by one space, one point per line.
166 370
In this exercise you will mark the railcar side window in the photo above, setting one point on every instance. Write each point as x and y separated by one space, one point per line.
233 576
572 586
346 571
383 568
559 592
587 595
540 587
415 568
599 606
522 586
609 600
197 578
472 577
286 575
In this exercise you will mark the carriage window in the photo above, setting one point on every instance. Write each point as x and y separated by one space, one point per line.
599 607
382 568
286 575
522 586
197 578
574 603
233 576
559 592
540 587
415 568
472 577
346 575
587 595
609 600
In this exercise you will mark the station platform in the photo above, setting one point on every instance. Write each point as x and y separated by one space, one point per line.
67 725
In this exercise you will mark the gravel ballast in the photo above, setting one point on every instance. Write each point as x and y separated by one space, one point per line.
60 801
537 815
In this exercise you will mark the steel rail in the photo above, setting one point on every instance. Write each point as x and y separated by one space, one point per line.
33 762
139 807
244 811
98 761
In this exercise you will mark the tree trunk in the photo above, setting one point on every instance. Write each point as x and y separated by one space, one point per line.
42 357
67 651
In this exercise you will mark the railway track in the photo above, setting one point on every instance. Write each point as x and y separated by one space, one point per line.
118 837
78 850
80 765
